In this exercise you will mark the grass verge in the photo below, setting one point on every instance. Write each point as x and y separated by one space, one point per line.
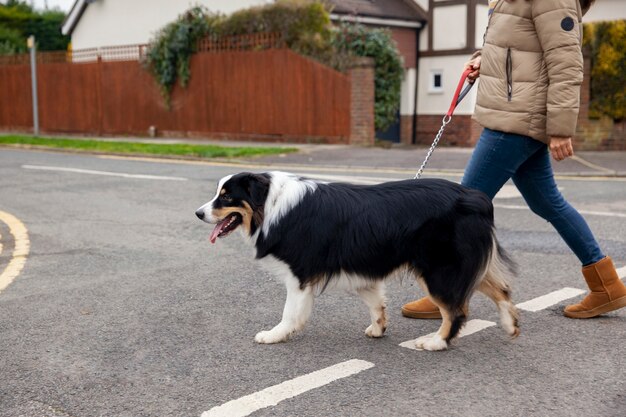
140 148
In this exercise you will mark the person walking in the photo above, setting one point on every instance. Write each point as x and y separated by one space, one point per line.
531 69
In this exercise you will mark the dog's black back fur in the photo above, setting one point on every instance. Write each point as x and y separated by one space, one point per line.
440 229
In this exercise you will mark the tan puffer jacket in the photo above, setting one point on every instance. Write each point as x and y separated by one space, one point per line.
532 68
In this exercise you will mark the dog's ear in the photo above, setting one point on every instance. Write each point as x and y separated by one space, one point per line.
258 187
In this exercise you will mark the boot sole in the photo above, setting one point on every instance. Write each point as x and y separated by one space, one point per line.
604 308
421 314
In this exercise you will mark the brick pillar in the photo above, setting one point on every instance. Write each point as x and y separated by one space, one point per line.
362 131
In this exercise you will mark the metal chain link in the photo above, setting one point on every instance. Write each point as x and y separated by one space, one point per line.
444 122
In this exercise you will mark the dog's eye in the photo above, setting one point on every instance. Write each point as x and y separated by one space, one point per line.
227 198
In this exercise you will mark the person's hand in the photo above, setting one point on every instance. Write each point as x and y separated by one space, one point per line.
473 64
561 148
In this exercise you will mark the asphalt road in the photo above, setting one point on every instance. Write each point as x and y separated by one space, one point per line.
123 308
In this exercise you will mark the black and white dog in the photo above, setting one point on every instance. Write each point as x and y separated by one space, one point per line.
353 236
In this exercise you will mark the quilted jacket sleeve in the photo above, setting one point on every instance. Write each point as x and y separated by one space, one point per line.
558 27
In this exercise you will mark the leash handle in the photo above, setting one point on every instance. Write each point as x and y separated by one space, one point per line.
460 92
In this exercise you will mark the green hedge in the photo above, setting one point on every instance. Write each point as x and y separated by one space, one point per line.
304 26
18 21
607 41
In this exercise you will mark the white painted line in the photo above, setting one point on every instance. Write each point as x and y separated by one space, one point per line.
589 212
476 325
106 173
20 251
273 395
550 299
508 191
471 327
621 272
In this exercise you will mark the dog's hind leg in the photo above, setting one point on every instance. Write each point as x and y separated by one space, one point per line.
374 297
453 320
496 289
297 310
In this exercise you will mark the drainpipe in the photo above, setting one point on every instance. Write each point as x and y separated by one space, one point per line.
417 67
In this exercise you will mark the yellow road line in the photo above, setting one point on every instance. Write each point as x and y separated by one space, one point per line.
20 252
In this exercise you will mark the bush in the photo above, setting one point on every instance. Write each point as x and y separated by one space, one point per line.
607 41
169 53
304 26
19 19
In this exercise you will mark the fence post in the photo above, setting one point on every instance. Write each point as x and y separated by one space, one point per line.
33 76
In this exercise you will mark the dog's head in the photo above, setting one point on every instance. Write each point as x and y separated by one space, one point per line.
239 201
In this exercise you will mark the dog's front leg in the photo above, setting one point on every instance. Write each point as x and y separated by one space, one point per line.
374 297
297 311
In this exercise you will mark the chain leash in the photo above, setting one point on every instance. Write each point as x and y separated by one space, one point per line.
444 122
459 94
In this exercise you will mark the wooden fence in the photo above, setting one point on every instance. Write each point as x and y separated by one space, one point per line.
271 94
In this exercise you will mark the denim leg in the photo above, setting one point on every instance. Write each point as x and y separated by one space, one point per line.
495 159
535 180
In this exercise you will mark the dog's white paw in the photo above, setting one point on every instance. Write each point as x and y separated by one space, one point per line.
431 342
374 331
270 336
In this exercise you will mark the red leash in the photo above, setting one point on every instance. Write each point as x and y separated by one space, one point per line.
459 95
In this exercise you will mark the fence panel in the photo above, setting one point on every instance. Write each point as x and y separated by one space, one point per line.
272 92
16 111
69 97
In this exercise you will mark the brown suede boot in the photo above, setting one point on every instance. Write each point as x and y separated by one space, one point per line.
608 292
421 309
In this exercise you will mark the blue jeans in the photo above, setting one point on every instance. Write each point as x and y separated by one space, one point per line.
499 156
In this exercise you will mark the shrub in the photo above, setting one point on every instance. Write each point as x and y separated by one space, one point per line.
607 41
169 53
19 19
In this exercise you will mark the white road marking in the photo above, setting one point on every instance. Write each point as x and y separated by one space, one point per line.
621 272
106 173
550 299
589 212
471 327
273 395
508 191
20 251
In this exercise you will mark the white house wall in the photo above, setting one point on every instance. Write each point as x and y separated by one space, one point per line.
450 27
451 67
407 100
606 10
482 18
124 22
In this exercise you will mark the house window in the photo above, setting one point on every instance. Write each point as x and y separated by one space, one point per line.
436 81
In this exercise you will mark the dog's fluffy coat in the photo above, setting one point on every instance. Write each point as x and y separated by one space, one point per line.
335 234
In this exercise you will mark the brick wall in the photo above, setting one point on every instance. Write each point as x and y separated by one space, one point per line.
406 42
461 131
362 130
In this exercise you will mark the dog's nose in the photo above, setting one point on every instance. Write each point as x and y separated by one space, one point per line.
200 214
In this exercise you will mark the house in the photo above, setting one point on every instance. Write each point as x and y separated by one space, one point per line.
98 23
454 31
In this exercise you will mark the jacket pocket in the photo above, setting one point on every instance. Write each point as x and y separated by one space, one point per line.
509 75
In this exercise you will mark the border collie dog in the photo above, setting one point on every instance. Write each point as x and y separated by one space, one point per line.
323 235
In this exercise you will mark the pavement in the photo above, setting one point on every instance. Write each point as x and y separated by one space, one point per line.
403 158
397 158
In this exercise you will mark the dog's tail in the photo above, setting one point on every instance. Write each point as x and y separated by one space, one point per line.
496 284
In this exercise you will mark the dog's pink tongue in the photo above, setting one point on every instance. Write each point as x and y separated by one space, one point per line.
217 230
